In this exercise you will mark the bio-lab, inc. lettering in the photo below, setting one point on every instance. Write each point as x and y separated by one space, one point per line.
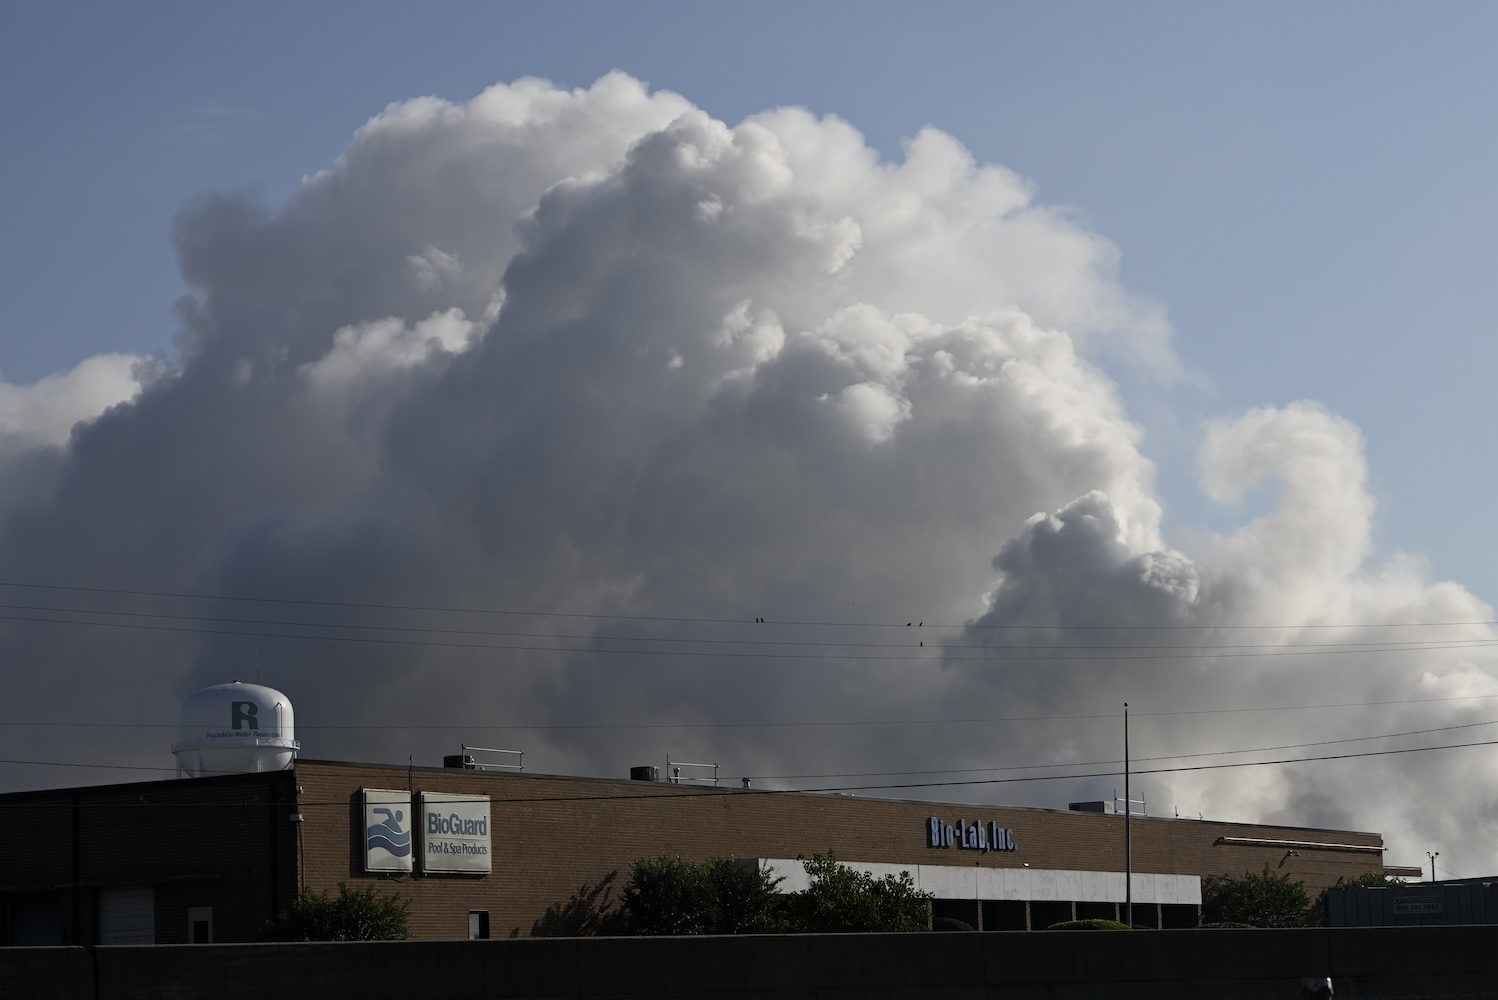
975 836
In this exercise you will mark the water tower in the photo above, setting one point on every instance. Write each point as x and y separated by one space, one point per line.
233 729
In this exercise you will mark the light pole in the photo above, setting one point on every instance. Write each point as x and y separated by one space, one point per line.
1128 831
1432 855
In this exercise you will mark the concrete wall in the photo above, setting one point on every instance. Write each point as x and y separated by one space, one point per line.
1370 962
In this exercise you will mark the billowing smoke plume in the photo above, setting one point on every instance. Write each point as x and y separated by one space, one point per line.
530 409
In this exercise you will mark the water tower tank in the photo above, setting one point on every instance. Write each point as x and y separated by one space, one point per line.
234 728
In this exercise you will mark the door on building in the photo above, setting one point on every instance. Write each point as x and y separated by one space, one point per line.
200 925
127 916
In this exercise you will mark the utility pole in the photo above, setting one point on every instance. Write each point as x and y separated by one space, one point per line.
1432 856
1129 832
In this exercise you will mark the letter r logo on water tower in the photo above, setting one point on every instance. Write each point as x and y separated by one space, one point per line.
244 712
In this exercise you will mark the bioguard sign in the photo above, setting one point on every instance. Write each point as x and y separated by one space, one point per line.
451 832
454 833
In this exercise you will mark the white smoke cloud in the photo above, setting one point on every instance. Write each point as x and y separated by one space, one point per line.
577 353
1260 622
44 413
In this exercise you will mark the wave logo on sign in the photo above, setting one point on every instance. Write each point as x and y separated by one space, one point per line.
388 833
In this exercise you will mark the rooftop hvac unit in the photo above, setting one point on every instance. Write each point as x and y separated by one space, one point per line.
469 762
648 772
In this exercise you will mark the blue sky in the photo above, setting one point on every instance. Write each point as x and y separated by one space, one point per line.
1307 189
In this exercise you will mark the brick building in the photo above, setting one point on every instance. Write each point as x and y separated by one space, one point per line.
489 853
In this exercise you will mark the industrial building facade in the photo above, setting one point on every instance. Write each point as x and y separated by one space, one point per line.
492 853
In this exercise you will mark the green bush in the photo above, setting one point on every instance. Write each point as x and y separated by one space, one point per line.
365 914
1226 925
720 896
950 924
667 895
745 900
1263 900
1094 924
842 900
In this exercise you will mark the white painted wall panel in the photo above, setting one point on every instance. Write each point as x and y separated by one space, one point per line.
1038 884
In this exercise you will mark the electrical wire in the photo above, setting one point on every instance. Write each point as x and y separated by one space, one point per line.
933 654
715 621
611 726
652 794
1102 763
1161 652
1158 770
1371 646
986 781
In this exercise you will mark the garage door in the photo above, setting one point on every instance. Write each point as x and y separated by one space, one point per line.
127 916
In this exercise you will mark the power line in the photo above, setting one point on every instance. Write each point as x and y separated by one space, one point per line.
108 767
1101 763
715 621
933 654
1367 646
585 726
997 781
1158 770
883 787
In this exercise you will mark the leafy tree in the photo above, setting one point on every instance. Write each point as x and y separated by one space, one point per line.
1369 880
843 900
353 915
666 896
745 900
1264 900
720 896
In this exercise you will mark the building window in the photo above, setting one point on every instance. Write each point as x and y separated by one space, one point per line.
1044 914
1097 911
200 925
478 925
35 918
964 910
1179 915
1004 915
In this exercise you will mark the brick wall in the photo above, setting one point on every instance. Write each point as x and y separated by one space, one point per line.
551 835
227 842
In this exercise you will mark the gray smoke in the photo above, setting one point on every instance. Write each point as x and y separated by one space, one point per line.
554 355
